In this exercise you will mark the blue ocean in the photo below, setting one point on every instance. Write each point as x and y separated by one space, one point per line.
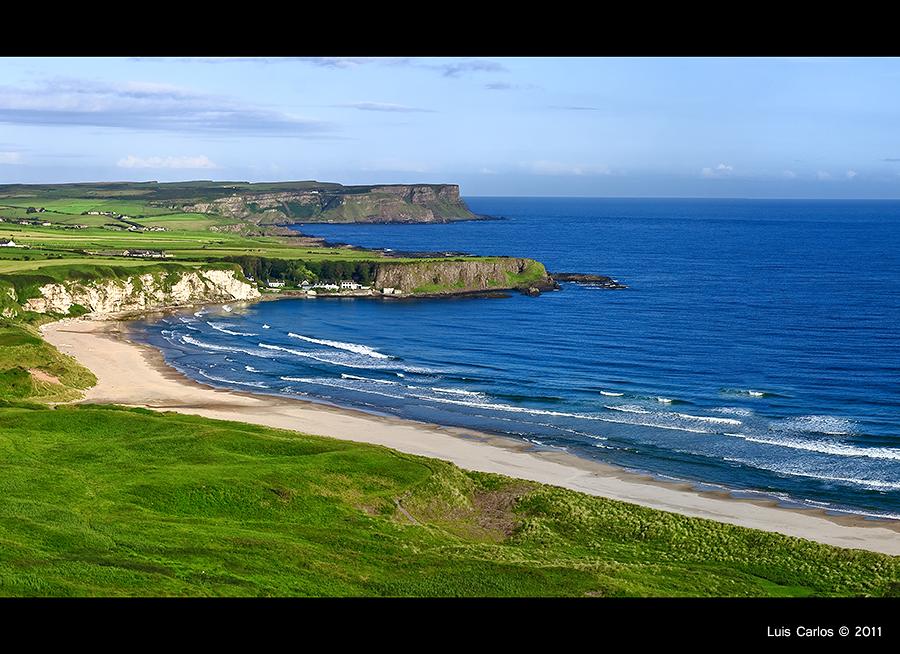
756 349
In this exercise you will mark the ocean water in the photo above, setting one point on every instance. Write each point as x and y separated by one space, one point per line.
757 347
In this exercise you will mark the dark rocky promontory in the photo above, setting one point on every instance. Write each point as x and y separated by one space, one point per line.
599 281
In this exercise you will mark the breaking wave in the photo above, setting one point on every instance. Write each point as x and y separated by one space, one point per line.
870 484
348 360
228 331
824 447
340 345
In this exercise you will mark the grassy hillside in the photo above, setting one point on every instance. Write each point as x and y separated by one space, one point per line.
105 501
32 369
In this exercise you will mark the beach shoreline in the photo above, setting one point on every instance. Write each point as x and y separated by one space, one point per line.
134 374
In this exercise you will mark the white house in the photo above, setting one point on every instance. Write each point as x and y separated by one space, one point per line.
351 285
276 284
8 244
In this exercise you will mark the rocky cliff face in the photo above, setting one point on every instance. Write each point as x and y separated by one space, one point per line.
462 276
142 292
392 203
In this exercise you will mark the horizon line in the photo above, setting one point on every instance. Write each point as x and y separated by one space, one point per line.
462 195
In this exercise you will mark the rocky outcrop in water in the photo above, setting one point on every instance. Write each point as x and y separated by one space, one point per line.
598 281
141 292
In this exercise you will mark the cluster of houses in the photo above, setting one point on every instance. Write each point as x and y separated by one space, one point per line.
325 286
33 223
134 228
312 288
146 254
44 223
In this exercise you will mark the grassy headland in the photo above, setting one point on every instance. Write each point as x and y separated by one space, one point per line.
91 232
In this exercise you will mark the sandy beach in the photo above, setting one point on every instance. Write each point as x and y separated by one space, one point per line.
136 375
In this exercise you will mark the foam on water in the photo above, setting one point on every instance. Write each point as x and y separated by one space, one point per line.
795 471
348 360
625 408
369 380
457 391
336 383
232 381
733 410
829 425
222 348
824 447
225 330
340 345
720 421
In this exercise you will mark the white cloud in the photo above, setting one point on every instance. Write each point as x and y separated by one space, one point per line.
544 167
722 170
789 174
851 174
200 161
141 105
823 175
10 157
384 106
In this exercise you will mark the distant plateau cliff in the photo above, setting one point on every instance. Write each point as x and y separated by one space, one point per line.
412 203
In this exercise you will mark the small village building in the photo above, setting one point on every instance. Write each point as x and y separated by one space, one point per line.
152 254
351 285
276 284
8 243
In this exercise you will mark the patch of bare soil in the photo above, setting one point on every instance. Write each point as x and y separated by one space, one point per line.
495 508
40 375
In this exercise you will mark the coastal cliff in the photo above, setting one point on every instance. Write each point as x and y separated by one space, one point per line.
140 292
448 277
413 203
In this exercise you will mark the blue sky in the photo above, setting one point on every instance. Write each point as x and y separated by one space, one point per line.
681 127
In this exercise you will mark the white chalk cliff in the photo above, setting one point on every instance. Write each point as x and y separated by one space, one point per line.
142 292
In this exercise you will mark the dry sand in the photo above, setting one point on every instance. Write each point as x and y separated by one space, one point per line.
136 375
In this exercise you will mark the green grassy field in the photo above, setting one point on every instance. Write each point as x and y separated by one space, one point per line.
102 501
